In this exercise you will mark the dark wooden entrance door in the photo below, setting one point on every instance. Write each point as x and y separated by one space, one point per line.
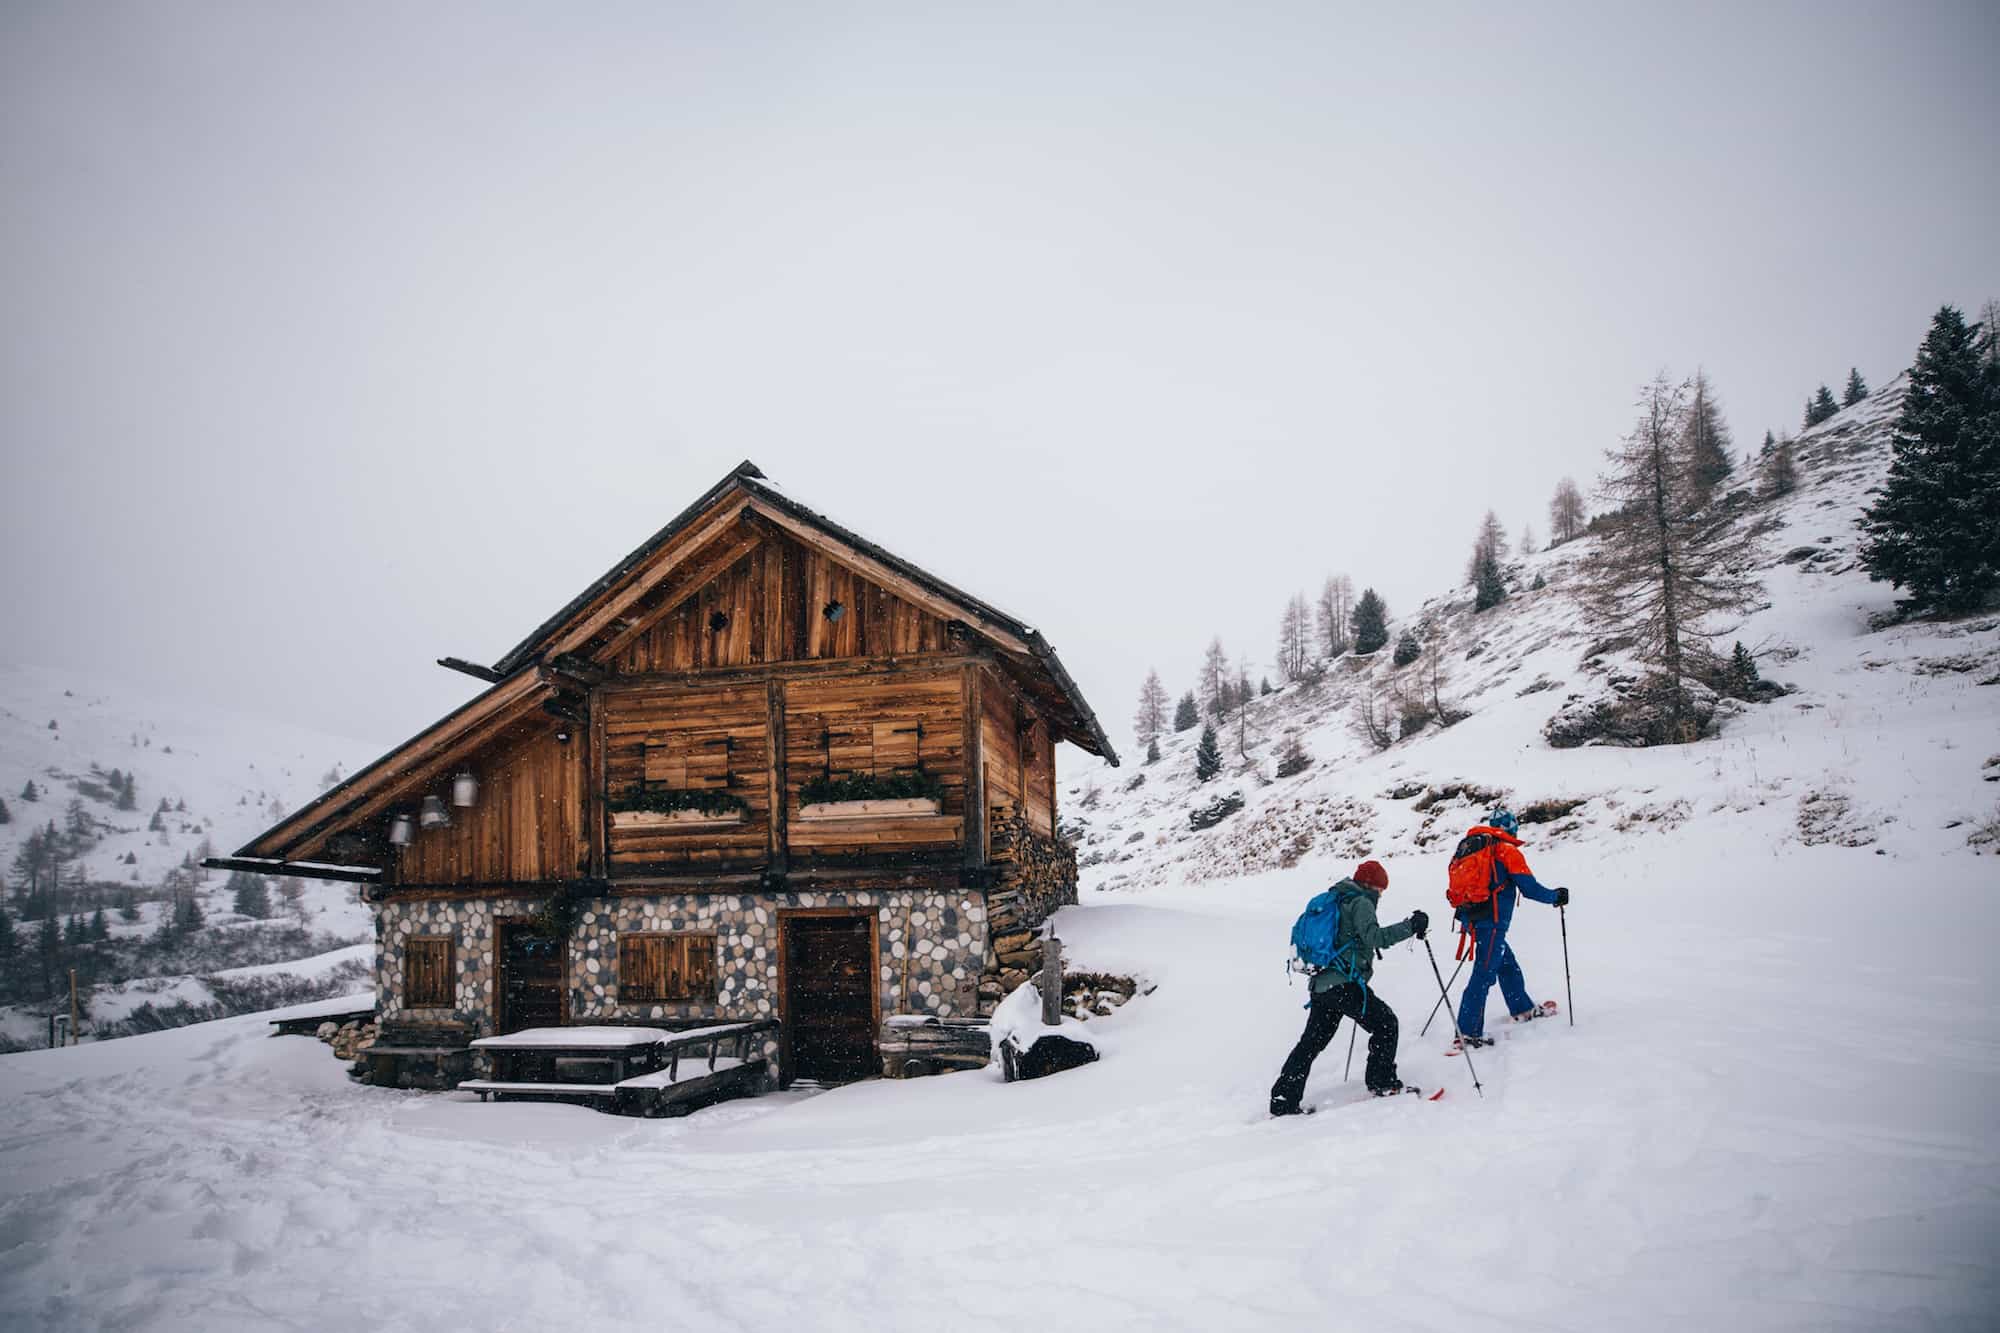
830 997
531 978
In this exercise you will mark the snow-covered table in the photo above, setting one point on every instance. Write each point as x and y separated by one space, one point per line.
634 1070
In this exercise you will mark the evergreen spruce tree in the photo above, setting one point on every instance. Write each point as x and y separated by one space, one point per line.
1488 588
10 943
1207 754
128 795
6 815
1742 673
1770 443
1370 623
1151 718
250 895
1820 407
1856 388
100 929
1707 443
188 916
74 932
1408 649
1665 565
128 908
1264 685
1153 751
1934 530
1186 712
30 792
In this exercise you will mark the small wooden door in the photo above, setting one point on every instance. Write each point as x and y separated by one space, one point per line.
830 997
531 978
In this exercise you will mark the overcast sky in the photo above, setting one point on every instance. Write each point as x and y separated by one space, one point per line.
339 338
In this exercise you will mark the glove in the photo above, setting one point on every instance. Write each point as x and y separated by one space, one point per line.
1562 897
1420 925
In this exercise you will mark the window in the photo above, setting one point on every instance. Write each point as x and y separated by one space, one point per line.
427 972
665 967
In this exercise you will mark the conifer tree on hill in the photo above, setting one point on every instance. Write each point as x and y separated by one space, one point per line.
1336 605
250 896
1707 442
1153 751
1488 588
1820 407
1408 649
10 943
1781 472
1207 754
1565 512
6 815
30 792
1664 567
1770 443
1186 713
1370 623
1857 389
1151 718
1491 542
1934 530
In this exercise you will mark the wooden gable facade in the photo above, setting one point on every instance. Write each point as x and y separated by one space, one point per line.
747 656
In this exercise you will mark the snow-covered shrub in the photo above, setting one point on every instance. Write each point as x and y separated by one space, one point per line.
1217 810
1632 711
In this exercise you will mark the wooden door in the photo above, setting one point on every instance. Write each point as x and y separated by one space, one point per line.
531 979
830 996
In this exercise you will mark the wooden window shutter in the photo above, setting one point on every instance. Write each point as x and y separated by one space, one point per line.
654 968
427 972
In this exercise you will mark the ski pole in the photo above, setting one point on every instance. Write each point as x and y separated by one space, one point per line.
1463 1049
1562 915
1443 999
1353 1031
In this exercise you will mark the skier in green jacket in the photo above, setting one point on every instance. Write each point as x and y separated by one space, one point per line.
1342 989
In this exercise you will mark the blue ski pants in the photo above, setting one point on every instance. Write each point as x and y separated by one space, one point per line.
1492 961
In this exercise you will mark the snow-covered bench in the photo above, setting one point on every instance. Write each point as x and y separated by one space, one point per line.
631 1070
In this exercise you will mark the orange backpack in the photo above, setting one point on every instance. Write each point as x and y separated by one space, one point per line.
1474 870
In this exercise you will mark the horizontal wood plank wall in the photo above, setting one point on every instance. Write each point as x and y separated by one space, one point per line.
998 745
861 723
771 606
672 735
527 824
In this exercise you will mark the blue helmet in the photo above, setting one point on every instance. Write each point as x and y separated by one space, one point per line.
1503 819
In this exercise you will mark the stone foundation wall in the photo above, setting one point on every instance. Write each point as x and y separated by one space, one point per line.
1033 875
932 949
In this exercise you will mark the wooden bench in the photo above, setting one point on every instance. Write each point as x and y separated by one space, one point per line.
635 1070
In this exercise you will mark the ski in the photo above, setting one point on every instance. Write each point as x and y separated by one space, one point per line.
1314 1108
1546 1009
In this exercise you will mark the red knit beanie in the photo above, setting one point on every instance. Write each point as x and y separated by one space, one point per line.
1372 875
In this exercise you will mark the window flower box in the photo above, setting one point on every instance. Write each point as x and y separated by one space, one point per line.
899 808
674 820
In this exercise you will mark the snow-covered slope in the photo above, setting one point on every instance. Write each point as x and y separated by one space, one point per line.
1774 1110
225 777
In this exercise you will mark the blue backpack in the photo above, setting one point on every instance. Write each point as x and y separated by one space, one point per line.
1315 936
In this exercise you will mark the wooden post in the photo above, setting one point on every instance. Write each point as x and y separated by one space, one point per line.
1051 981
72 1006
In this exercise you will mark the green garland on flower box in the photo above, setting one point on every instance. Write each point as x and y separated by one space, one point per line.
827 789
667 801
558 914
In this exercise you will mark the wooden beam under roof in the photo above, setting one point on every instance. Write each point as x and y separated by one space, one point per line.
683 582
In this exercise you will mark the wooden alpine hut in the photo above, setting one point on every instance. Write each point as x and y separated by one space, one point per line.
761 772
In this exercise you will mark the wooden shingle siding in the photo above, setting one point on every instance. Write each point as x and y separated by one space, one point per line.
428 972
663 967
526 825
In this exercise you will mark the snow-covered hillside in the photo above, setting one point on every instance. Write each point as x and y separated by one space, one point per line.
138 787
1889 739
1774 1110
224 777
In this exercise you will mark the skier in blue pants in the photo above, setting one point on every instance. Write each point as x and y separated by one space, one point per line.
1488 874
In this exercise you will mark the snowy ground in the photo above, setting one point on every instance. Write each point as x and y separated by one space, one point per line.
1775 1112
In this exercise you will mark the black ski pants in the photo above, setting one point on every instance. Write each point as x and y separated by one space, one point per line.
1369 1013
